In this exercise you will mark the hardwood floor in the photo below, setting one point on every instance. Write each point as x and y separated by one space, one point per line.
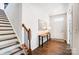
53 47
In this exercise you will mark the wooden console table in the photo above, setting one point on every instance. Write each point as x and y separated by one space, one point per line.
43 34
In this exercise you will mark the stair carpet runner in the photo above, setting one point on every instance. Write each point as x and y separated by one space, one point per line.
9 44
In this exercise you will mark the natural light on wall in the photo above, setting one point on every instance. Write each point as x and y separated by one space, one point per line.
59 19
1 5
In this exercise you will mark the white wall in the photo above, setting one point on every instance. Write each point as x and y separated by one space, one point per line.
75 49
13 12
30 15
51 10
31 12
2 6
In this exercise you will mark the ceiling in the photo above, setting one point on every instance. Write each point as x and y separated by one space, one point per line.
52 8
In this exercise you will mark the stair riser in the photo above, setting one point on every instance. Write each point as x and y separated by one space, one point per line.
4 32
8 45
7 36
4 21
5 28
8 41
5 25
3 18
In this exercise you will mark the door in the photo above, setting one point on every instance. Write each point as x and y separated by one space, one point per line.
57 24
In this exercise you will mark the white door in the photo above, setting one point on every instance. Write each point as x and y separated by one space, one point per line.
58 27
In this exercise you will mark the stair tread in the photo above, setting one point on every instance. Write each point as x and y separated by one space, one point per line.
4 23
7 36
18 53
5 29
8 45
3 51
7 41
2 15
7 33
4 20
11 52
5 26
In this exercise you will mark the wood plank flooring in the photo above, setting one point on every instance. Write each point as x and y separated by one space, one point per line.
53 47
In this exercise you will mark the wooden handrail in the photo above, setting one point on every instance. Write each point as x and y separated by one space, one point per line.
28 31
25 27
29 38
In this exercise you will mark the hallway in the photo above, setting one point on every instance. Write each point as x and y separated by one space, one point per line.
54 47
41 21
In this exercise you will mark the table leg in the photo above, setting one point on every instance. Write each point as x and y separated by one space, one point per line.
39 41
42 41
47 38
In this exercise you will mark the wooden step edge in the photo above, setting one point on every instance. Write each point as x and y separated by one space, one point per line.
5 29
8 39
5 26
4 23
8 49
8 46
7 34
15 52
4 20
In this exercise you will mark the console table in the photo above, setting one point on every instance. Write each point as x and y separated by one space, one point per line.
43 34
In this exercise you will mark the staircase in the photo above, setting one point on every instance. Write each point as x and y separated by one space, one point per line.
9 44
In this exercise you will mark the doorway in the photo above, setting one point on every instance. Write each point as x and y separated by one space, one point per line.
58 26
